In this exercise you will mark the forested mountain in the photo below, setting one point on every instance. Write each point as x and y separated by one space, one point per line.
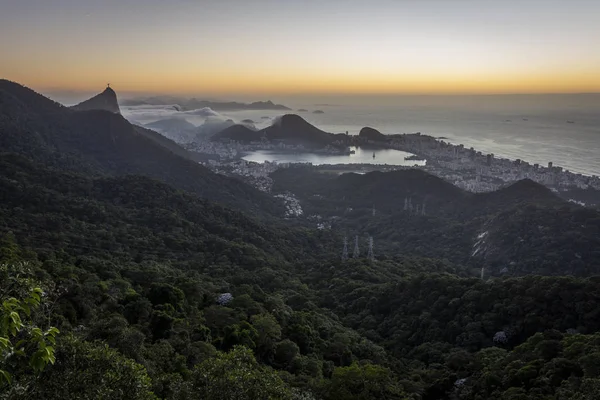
118 281
521 229
107 100
101 142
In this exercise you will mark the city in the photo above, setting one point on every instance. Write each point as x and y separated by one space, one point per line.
466 168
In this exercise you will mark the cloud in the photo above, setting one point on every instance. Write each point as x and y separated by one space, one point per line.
212 126
207 120
202 112
150 113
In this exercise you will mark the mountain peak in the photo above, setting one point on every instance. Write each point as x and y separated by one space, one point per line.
109 92
371 134
107 100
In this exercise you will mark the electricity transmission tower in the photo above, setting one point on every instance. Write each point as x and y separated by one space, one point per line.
356 252
345 251
371 255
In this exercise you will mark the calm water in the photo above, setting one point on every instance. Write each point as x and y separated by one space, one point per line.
564 129
361 156
534 128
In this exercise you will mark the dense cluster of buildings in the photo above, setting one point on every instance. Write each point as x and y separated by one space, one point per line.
466 168
292 205
255 174
478 172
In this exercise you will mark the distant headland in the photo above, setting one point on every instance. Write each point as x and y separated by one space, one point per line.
193 103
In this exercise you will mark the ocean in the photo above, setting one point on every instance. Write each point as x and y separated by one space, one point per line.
563 129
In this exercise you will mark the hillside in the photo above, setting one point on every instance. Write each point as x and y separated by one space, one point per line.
176 129
167 143
385 191
238 133
521 229
289 128
102 142
156 292
371 134
129 217
107 100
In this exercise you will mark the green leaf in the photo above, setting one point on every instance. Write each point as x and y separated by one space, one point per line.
52 331
36 333
4 343
6 376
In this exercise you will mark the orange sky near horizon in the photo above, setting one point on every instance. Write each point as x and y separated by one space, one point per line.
272 47
559 82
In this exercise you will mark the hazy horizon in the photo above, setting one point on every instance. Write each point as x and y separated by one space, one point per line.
268 48
73 97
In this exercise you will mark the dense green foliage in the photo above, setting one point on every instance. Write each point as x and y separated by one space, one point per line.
22 344
101 142
518 230
548 366
157 293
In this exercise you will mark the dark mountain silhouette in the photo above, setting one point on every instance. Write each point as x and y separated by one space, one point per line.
519 193
289 128
371 134
211 127
107 100
295 129
132 208
101 142
384 190
521 229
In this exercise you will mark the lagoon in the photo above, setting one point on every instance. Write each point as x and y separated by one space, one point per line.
361 156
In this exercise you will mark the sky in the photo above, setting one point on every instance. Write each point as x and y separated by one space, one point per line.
309 46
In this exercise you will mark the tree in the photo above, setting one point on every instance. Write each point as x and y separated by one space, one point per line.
92 371
24 347
269 333
362 382
235 375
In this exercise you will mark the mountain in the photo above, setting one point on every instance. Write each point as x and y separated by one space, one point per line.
177 129
191 104
386 191
211 127
521 229
289 128
101 142
522 192
371 134
135 210
107 100
155 292
167 143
